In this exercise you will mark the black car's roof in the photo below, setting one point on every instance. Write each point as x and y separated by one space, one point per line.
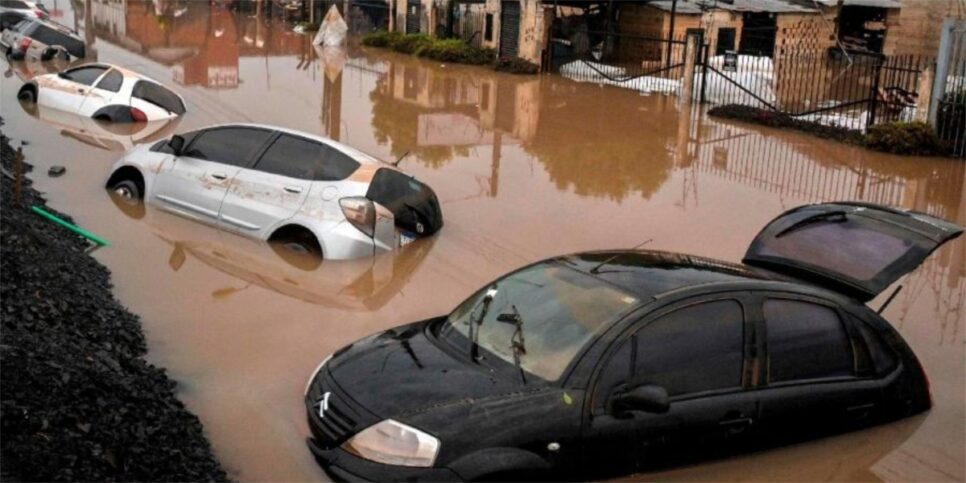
650 273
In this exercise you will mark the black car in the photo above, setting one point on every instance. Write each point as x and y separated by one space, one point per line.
601 363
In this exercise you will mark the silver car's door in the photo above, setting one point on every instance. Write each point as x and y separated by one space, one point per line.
279 183
195 183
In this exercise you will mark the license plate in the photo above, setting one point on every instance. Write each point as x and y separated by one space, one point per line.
405 239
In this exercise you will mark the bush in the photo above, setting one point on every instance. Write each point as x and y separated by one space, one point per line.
421 45
381 39
904 138
516 65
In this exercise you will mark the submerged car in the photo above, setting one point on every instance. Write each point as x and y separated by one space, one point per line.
40 40
104 92
276 184
599 364
23 9
101 134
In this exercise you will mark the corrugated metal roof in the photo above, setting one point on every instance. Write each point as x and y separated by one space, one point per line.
697 6
860 3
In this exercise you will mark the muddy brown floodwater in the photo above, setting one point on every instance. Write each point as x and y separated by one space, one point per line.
525 167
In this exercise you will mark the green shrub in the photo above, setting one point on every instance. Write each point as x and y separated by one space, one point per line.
904 138
516 65
411 43
380 39
443 50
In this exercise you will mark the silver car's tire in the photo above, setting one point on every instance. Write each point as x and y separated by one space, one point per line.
128 190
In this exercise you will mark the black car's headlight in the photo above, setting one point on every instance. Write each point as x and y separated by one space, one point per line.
308 383
393 443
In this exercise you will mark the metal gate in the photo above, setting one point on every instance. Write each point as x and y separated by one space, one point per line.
509 29
368 16
413 10
852 92
948 107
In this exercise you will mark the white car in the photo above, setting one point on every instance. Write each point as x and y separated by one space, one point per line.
104 135
104 92
311 193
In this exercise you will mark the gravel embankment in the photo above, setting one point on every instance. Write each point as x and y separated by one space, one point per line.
77 399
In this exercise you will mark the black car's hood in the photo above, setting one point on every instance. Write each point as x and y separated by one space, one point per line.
402 370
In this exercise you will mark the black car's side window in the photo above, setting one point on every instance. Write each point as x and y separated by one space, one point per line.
691 350
694 349
805 341
881 357
230 145
85 75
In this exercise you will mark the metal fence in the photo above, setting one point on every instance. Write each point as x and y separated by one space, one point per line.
628 61
852 91
948 109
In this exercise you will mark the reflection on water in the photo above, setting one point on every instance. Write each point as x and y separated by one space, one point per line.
525 167
102 134
357 285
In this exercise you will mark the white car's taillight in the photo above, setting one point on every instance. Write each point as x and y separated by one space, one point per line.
361 212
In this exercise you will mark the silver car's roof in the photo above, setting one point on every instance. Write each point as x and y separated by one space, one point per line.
361 157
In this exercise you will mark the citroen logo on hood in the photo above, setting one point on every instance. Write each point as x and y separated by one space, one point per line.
323 403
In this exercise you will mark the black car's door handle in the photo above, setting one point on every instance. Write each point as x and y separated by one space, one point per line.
740 421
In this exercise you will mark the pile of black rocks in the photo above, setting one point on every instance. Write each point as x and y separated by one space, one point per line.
77 400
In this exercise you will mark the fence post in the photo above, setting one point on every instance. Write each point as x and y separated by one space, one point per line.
704 72
691 52
942 68
874 100
924 91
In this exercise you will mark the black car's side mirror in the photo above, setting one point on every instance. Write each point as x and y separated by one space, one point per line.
649 398
176 144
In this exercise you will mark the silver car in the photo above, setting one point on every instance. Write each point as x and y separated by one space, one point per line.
37 39
275 184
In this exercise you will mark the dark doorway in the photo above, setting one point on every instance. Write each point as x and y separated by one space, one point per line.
862 29
509 29
758 34
726 41
412 16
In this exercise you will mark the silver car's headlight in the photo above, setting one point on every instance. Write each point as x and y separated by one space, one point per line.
308 383
393 443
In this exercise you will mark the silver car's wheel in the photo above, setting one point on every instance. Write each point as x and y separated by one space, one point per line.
127 190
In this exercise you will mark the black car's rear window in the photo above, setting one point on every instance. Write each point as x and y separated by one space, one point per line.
52 37
158 95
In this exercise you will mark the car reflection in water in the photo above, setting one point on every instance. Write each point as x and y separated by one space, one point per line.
354 285
102 134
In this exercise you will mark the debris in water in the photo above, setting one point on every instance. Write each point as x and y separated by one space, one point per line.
56 171
333 30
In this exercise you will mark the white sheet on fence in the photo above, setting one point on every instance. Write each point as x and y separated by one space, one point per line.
755 73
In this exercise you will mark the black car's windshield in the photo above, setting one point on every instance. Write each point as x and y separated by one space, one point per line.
538 318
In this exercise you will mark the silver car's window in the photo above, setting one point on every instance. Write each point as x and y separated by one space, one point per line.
296 157
111 82
229 145
85 75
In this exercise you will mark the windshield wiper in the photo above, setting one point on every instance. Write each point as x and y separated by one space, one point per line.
475 331
813 219
517 344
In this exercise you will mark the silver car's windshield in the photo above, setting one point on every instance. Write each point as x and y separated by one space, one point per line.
539 318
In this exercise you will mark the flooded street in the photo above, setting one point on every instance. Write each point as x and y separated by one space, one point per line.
525 167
